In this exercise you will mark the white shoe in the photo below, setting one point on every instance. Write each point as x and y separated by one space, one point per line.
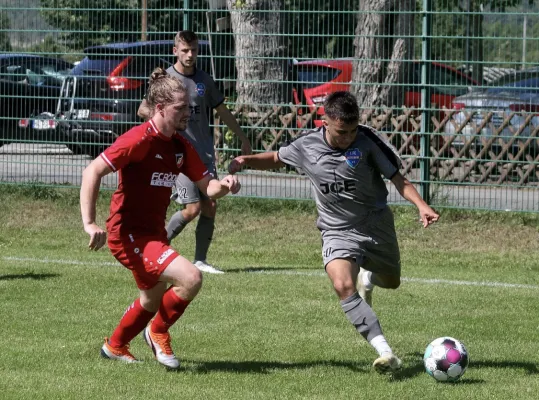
205 267
160 345
387 363
366 294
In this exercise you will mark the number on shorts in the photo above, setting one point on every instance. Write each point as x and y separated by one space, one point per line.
182 193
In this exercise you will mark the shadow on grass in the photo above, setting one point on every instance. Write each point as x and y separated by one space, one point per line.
265 367
277 270
413 366
28 275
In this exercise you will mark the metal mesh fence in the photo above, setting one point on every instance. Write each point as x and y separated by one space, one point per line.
451 84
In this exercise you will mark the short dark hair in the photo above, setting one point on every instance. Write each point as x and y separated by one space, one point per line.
342 106
186 37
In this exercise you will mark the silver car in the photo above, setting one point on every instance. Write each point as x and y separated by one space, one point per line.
505 113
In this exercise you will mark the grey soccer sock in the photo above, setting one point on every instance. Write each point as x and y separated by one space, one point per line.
203 236
176 225
361 316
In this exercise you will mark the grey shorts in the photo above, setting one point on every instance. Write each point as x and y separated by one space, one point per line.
373 246
186 192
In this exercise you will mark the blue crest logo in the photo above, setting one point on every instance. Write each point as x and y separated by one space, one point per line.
201 89
353 156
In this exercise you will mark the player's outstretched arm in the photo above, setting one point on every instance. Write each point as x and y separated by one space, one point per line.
89 190
268 160
426 214
230 121
216 189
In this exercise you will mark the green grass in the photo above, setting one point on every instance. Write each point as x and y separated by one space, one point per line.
265 335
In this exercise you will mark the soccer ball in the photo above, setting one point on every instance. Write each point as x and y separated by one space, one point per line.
446 359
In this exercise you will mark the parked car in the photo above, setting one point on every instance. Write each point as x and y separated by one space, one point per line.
29 87
318 78
100 99
514 96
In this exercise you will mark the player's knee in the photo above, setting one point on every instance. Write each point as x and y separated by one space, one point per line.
191 211
209 208
344 287
190 282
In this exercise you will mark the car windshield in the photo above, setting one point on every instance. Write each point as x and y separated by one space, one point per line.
310 76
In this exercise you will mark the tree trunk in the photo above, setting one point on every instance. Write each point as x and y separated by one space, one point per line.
477 43
259 51
383 41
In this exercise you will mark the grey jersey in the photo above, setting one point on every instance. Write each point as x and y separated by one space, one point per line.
348 184
203 96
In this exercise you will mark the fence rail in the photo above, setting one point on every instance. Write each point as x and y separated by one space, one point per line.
452 85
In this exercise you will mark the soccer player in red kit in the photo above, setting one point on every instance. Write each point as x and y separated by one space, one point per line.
149 158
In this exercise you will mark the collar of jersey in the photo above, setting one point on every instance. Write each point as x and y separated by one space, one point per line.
178 72
335 148
158 133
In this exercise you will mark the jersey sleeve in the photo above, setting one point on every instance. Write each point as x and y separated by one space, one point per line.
193 166
128 148
384 156
214 97
292 153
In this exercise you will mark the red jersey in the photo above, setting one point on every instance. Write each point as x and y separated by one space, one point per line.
148 163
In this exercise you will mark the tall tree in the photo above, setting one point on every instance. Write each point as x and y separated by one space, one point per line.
5 44
261 67
383 41
88 22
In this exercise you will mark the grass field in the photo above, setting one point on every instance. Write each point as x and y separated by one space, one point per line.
271 327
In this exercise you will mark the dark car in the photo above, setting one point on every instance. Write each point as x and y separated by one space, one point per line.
99 101
315 79
511 104
29 88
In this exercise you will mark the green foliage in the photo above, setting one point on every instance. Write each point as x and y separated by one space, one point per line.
86 22
304 29
5 44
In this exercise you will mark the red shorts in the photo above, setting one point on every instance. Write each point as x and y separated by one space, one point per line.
146 256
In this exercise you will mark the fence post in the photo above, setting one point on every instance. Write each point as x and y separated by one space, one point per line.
424 161
186 15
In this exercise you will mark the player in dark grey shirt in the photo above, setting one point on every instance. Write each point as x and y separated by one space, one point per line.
204 97
345 163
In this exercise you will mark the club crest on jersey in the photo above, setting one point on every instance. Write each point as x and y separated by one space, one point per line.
353 156
179 160
201 89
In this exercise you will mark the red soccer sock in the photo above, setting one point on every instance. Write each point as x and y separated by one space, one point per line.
132 323
170 310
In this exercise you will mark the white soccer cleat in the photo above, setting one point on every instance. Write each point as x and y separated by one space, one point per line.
205 267
160 345
387 363
366 294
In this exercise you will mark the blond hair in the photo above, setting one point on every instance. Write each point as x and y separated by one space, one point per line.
163 88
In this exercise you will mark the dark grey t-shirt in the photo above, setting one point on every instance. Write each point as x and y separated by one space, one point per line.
204 96
348 184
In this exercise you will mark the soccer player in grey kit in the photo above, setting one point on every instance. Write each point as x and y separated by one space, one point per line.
345 162
204 96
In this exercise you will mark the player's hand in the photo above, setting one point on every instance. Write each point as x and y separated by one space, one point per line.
246 148
236 165
98 237
428 216
232 183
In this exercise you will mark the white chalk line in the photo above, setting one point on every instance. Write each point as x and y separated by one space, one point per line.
255 270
